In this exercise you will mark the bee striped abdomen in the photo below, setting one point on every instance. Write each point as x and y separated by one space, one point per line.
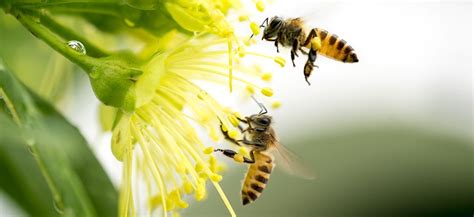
256 178
335 47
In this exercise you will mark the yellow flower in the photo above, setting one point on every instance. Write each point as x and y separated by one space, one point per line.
158 142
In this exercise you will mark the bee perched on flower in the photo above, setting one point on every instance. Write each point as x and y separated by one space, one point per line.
159 106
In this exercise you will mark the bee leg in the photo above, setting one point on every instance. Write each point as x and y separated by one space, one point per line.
303 51
294 51
308 68
236 156
311 35
293 58
227 136
248 142
276 45
295 46
242 120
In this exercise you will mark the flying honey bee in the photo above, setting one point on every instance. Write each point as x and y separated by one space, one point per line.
292 33
263 143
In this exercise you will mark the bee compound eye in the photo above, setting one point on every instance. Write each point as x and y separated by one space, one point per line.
264 121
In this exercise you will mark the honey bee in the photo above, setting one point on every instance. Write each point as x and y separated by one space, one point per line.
263 143
292 33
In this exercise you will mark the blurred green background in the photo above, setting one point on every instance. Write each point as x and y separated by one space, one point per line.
382 169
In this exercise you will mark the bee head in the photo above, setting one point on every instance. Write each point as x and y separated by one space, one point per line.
271 30
261 121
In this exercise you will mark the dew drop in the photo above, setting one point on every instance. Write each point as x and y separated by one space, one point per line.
77 46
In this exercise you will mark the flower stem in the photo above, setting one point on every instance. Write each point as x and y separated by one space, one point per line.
69 34
58 44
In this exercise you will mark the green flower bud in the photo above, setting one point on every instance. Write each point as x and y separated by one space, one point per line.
113 80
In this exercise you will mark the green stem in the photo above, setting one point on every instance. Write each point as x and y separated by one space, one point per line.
105 8
69 34
58 44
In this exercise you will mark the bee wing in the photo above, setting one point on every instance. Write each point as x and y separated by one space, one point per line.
290 162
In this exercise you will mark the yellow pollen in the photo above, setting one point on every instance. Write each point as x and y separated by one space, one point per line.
200 193
199 167
233 120
260 6
243 18
267 76
238 115
280 61
188 187
239 158
267 91
213 164
170 204
276 104
233 134
254 27
203 176
215 177
209 150
250 89
316 43
243 151
182 204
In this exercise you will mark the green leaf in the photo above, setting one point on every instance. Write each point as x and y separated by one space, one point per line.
45 164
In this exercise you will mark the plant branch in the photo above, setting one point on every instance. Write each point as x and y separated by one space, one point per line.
69 34
58 44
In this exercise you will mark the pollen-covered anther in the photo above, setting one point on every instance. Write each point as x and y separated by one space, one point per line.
276 104
243 18
260 5
255 28
233 120
267 91
250 89
201 190
233 134
199 167
280 61
188 187
215 177
237 115
208 150
213 164
267 76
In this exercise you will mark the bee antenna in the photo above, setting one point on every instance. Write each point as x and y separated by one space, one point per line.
262 107
264 21
261 26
